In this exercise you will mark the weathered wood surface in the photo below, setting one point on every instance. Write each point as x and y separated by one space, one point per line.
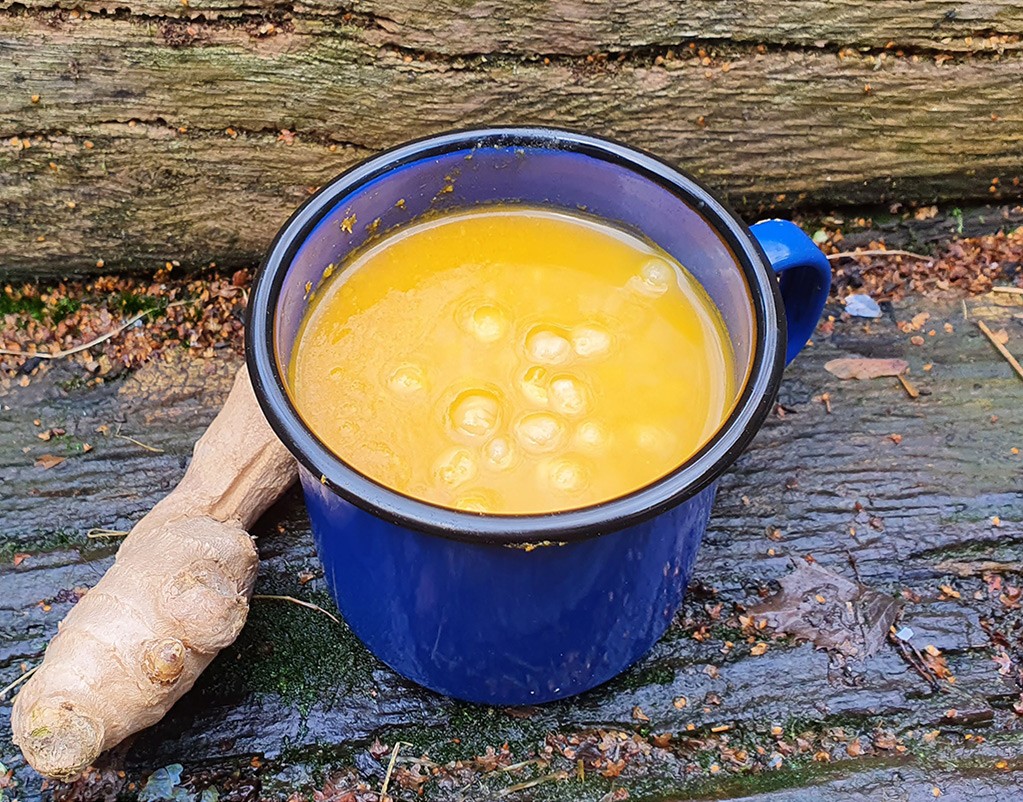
307 700
580 27
844 104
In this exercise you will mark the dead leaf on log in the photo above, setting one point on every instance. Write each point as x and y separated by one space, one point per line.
852 619
47 461
863 368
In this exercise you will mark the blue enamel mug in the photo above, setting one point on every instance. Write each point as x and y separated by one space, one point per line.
523 609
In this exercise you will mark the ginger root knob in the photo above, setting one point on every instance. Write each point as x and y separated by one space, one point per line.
163 660
61 741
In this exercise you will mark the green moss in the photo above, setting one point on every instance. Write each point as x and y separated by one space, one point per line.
957 215
294 652
41 542
723 632
73 384
69 443
131 303
642 675
64 307
15 303
32 305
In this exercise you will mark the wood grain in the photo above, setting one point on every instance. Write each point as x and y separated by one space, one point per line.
579 27
802 127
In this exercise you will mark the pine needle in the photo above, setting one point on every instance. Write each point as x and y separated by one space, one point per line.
390 768
1001 348
139 443
7 689
299 602
99 532
520 765
511 789
850 254
911 391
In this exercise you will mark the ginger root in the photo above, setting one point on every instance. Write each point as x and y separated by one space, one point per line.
176 595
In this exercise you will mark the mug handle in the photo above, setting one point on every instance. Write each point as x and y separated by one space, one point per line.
804 278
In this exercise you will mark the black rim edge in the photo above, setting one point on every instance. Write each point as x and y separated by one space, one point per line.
697 473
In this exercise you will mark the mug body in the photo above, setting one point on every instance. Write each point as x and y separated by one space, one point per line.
505 624
517 609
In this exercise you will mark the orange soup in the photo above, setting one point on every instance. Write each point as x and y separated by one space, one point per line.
512 360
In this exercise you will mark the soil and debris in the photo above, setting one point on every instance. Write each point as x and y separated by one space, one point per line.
200 315
963 267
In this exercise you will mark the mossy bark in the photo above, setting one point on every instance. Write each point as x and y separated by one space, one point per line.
302 695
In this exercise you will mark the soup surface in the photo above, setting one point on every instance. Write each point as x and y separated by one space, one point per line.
512 360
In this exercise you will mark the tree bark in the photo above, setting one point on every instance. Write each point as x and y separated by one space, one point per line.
153 132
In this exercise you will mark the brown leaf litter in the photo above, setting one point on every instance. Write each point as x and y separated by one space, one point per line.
863 368
830 611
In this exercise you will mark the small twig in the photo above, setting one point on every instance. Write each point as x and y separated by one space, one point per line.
848 254
1001 348
140 444
511 789
390 768
99 532
911 656
520 765
1011 290
911 391
966 314
7 689
299 602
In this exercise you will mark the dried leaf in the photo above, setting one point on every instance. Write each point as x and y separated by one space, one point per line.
853 619
758 649
639 715
862 368
20 558
884 740
47 461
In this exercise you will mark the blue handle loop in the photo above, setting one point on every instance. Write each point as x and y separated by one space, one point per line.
804 278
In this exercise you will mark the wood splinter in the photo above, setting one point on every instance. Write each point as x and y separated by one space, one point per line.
1005 352
176 595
